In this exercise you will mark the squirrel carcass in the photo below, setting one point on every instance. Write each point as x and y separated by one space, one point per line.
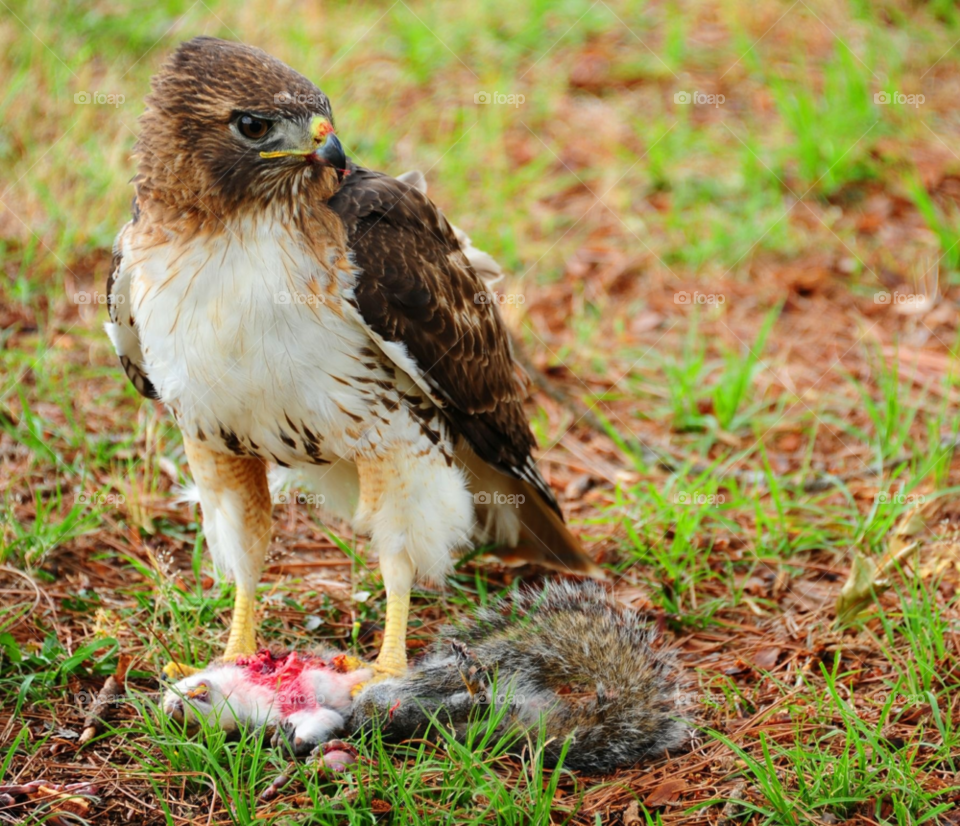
565 658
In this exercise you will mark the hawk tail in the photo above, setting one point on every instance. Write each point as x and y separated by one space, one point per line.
513 514
545 540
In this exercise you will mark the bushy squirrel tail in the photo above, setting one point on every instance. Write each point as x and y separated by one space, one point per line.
565 657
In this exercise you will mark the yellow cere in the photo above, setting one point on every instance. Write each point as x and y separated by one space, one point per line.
320 127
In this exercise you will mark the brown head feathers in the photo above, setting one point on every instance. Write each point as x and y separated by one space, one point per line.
215 107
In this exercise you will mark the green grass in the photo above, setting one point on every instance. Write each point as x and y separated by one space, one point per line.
444 778
787 408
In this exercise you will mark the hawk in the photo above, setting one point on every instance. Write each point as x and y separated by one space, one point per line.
293 309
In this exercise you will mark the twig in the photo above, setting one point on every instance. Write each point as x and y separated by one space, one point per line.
108 699
72 799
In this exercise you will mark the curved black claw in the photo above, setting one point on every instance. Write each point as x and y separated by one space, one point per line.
285 738
296 740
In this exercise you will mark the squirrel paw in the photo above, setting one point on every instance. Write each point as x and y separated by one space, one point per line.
472 671
303 731
333 756
286 737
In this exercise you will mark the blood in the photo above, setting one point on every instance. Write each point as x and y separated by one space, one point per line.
284 674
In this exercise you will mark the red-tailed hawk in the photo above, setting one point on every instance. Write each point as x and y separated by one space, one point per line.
292 308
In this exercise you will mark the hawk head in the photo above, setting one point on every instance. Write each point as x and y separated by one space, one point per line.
228 126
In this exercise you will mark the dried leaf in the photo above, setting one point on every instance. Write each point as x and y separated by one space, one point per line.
666 792
766 658
868 578
857 592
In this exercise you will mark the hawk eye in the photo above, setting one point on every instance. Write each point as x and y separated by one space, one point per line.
253 127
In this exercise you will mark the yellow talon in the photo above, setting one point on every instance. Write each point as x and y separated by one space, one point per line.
392 660
348 662
380 673
175 671
242 640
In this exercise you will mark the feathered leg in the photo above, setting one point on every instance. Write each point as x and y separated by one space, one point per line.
237 520
416 508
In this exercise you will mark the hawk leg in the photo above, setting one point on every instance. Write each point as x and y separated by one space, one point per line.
415 506
237 519
243 627
398 580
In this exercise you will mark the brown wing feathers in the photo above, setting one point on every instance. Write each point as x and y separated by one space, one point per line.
416 287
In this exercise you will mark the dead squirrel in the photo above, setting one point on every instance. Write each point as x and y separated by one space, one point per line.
565 657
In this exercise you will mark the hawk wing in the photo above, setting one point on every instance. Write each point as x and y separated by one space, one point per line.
420 299
120 328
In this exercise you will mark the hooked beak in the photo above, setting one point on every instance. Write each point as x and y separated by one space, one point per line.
324 147
330 153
